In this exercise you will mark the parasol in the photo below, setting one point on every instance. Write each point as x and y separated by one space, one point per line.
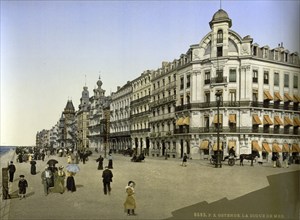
52 162
74 168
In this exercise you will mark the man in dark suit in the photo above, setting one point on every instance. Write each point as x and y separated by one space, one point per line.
107 178
11 170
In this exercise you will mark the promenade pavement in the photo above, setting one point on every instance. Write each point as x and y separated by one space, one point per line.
162 187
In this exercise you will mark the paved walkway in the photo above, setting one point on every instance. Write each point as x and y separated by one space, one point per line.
162 187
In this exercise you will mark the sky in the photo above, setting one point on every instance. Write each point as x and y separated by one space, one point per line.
51 49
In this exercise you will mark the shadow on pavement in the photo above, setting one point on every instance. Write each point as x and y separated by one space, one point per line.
280 200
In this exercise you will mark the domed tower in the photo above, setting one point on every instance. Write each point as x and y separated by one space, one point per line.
220 25
84 100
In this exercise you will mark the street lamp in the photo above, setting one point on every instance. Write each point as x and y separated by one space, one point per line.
218 160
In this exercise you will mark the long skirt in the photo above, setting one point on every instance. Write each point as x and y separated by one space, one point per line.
71 184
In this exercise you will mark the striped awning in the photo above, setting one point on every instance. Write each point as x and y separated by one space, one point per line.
215 147
204 145
277 96
276 148
255 146
186 121
296 98
267 95
295 148
277 121
179 121
232 118
287 97
285 148
266 147
256 120
215 121
267 120
296 122
287 121
231 144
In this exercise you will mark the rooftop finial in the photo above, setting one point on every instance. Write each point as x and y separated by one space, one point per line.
85 80
99 74
220 4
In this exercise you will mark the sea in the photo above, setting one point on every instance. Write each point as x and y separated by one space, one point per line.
5 149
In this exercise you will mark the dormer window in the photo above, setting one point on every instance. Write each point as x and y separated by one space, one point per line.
219 51
220 36
254 50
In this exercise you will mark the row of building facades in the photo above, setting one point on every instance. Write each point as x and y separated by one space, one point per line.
173 110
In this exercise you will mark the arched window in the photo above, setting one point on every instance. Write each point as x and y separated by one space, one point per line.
220 36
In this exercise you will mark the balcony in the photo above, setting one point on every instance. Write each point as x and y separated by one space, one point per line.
219 80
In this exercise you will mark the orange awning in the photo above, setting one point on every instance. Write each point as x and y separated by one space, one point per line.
232 119
287 121
296 98
255 146
295 148
296 122
276 148
256 120
216 119
267 120
231 144
204 145
267 95
287 97
266 147
277 96
179 121
277 121
285 148
186 121
215 147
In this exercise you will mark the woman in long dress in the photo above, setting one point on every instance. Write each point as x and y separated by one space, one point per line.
130 203
71 182
59 181
100 162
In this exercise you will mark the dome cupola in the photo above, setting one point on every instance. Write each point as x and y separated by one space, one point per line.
220 16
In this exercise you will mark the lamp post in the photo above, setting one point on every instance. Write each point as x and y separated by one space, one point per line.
218 160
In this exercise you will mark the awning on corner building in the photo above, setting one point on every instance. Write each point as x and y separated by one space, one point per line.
267 95
296 122
276 148
255 146
232 118
267 120
277 121
232 144
296 98
285 148
179 121
256 120
215 121
204 145
186 121
287 97
295 148
266 147
277 96
215 147
287 121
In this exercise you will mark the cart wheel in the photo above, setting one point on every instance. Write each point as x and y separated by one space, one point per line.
231 162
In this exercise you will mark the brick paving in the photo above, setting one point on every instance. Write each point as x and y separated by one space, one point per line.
162 187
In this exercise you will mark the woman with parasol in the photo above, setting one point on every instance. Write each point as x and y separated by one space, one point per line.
72 169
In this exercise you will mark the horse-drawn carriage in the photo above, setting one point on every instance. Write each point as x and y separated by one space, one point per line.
232 158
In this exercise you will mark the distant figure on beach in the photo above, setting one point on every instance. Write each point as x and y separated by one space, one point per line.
11 170
130 204
107 176
22 187
71 182
46 180
100 162
110 161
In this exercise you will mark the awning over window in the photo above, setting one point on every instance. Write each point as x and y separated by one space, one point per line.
215 121
276 148
186 121
287 121
204 145
266 147
287 97
232 119
231 144
179 121
215 148
267 120
295 148
296 98
255 146
296 122
256 120
267 95
285 148
277 96
277 121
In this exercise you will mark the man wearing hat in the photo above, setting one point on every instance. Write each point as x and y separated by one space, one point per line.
11 170
22 187
107 178
46 180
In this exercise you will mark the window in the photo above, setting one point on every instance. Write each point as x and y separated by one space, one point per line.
232 75
255 76
207 97
219 78
266 77
276 79
286 80
285 57
206 123
255 51
188 99
181 100
181 83
232 97
219 51
207 77
220 36
188 81
295 82
255 97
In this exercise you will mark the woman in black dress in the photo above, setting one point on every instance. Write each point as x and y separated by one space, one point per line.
71 182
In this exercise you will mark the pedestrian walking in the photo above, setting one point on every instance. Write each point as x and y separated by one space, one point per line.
22 187
110 161
100 162
274 158
71 182
130 203
59 181
33 167
285 159
11 170
46 180
107 176
184 160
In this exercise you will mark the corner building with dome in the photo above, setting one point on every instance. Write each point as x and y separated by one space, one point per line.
258 90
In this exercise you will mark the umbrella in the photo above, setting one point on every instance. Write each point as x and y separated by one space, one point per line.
32 162
52 162
74 168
